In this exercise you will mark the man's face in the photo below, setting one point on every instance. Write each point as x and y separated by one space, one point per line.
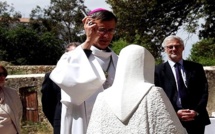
174 50
106 30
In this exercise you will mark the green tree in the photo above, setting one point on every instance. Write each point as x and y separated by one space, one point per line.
204 52
118 45
41 41
23 46
149 22
64 18
8 14
26 43
208 28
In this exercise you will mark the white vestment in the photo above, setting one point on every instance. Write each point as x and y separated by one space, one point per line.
81 78
133 105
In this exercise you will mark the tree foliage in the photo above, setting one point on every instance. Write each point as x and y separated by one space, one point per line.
63 17
8 14
118 45
143 22
24 43
23 46
208 28
40 41
204 52
150 21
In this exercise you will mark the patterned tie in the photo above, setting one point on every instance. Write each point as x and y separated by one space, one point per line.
181 86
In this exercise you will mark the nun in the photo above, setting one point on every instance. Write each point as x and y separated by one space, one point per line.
133 104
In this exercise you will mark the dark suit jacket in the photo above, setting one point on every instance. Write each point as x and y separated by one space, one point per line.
51 96
197 88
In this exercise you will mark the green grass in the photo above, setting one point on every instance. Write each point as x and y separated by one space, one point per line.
29 127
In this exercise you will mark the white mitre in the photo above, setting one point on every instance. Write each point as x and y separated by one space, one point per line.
133 79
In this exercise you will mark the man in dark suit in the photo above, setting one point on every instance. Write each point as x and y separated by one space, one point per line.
189 97
51 104
51 97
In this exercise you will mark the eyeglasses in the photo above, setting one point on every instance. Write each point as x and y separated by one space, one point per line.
175 46
104 31
2 74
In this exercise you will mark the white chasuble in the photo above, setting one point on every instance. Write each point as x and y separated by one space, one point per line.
133 105
81 78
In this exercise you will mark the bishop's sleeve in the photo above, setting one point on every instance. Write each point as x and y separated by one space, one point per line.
79 76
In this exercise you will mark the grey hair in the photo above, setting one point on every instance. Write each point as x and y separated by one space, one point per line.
172 37
75 44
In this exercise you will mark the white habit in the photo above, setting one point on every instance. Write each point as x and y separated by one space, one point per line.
133 105
81 78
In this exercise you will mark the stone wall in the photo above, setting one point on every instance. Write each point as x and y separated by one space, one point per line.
28 76
35 76
28 69
210 74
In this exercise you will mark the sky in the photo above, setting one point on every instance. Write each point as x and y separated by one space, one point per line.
25 7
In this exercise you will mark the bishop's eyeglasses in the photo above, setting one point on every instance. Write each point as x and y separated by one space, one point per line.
102 30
